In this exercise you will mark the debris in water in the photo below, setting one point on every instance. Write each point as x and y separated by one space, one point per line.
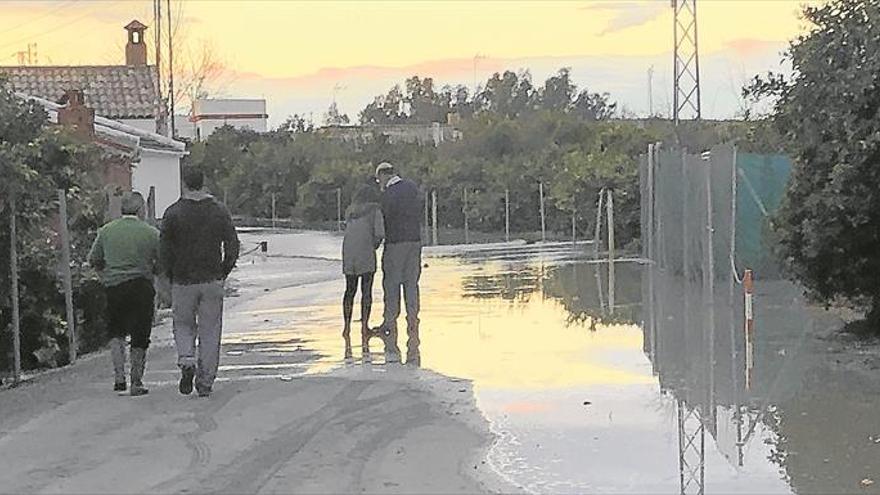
867 482
285 378
234 353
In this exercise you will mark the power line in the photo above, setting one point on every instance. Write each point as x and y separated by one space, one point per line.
54 29
39 18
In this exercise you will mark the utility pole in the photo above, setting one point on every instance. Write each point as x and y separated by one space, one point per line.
157 23
686 62
171 71
651 92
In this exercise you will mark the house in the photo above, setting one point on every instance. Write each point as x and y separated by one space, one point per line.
210 114
126 93
120 109
136 160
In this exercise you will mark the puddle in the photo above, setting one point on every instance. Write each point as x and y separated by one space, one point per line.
641 397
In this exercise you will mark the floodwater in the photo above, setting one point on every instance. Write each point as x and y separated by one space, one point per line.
645 395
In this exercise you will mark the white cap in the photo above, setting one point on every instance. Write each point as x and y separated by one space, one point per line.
384 167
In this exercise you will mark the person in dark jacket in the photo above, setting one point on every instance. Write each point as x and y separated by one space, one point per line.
364 231
401 260
198 250
126 253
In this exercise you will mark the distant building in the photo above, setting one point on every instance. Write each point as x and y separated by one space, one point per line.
126 93
210 114
423 134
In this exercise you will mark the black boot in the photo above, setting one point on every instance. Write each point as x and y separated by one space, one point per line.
138 363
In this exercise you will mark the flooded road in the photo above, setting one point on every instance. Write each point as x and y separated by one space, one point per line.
647 396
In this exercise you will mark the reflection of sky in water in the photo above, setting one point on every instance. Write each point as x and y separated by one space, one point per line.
570 389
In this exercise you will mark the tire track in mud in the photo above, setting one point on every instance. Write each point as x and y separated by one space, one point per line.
250 462
200 454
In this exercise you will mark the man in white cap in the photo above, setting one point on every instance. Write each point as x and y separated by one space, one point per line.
401 260
126 252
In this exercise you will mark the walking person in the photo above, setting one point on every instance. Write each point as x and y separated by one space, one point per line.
401 260
125 253
198 250
364 231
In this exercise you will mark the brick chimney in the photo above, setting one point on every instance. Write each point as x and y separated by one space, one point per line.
76 114
136 49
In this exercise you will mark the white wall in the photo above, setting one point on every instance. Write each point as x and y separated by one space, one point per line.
210 114
184 128
207 127
161 170
148 125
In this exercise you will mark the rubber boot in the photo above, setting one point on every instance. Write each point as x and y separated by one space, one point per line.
366 333
138 363
413 354
117 352
392 351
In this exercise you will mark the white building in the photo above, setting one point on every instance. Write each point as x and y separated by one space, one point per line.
210 114
144 160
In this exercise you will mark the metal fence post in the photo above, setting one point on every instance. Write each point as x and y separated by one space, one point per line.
274 221
434 215
609 205
151 206
16 317
507 215
465 211
66 276
543 218
597 241
427 223
339 209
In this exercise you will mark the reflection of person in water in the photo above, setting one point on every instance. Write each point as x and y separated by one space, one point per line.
364 231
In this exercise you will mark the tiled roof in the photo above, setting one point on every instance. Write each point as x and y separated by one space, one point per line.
114 91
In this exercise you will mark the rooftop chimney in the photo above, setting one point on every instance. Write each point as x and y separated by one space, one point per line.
76 114
136 49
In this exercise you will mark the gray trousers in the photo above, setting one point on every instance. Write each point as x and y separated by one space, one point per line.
197 311
401 268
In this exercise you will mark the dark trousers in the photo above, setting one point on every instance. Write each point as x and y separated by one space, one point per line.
130 311
351 286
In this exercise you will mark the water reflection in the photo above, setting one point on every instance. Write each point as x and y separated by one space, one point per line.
814 420
654 399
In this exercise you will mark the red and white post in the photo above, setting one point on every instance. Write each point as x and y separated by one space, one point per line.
749 289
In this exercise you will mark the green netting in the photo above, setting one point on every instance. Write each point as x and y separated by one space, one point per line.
761 184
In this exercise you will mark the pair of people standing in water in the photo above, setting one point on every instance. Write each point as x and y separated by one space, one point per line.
393 216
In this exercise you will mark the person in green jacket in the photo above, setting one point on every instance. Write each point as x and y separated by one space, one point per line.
126 254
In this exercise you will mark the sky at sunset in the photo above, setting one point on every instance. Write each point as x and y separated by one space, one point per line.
294 53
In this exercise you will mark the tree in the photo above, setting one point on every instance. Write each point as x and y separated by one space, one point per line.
35 161
828 112
558 91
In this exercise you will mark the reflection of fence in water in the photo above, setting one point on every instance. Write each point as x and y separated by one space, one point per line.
694 221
